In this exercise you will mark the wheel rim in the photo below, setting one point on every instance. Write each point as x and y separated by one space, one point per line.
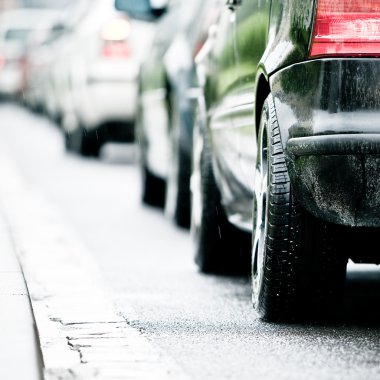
260 209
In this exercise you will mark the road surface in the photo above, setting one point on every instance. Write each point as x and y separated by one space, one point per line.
202 326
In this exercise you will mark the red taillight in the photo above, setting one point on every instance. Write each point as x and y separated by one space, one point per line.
115 35
116 49
346 28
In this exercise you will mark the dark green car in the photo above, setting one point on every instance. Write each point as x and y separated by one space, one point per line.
287 149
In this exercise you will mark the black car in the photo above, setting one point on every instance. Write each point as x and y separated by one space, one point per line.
287 149
166 108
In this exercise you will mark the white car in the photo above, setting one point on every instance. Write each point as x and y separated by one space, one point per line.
15 29
38 57
45 53
95 76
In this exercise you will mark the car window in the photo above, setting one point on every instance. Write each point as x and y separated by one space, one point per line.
17 35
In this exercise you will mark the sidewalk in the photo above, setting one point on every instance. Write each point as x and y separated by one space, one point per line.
19 349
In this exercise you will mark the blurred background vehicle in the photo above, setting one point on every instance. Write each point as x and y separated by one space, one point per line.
16 26
94 77
38 59
57 98
166 110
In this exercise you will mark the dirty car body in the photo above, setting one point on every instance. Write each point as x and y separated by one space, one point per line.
291 110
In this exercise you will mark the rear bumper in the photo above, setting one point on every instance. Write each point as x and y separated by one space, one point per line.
105 102
108 93
329 116
336 177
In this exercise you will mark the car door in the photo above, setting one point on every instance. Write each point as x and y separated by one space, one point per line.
239 45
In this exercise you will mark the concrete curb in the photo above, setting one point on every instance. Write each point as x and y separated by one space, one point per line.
81 334
20 356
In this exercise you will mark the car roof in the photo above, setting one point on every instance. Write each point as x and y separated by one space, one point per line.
28 18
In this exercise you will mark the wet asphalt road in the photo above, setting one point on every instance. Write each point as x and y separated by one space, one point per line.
205 323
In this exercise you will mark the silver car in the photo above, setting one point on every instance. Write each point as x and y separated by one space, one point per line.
15 29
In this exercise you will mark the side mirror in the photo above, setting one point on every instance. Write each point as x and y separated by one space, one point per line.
142 9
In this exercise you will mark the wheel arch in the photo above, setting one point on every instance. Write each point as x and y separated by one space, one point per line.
262 91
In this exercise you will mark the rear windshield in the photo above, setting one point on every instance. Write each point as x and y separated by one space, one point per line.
17 34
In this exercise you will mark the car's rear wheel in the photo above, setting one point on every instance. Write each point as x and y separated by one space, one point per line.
73 140
86 143
153 188
297 268
91 143
219 247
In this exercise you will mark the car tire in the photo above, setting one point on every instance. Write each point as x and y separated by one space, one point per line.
177 197
219 246
297 269
73 140
153 188
83 142
91 143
